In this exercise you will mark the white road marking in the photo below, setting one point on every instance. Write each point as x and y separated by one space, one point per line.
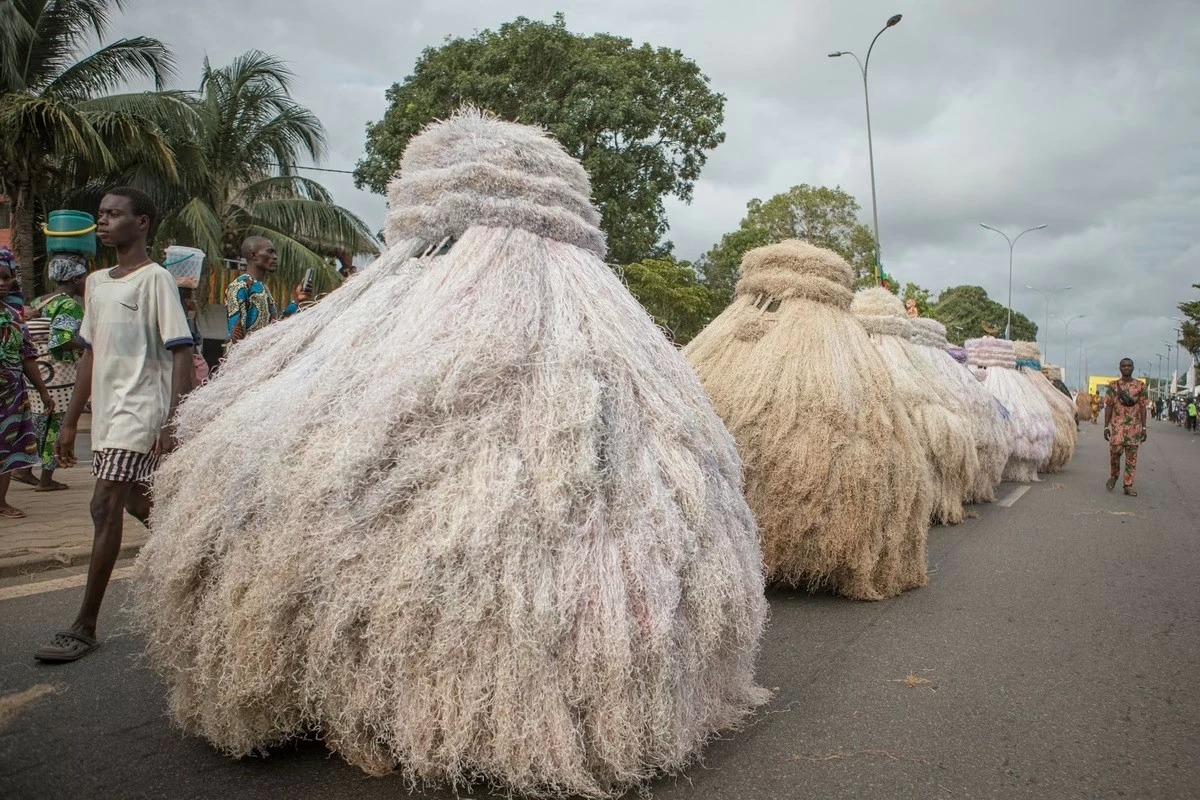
56 584
1014 496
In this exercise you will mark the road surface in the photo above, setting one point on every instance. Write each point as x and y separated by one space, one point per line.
1054 654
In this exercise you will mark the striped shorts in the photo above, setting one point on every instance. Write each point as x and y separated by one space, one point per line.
124 466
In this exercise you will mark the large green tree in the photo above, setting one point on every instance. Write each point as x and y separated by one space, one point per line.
641 119
923 297
672 294
62 121
968 312
824 216
1189 335
250 135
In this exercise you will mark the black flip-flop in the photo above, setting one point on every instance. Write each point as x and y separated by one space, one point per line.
66 646
28 481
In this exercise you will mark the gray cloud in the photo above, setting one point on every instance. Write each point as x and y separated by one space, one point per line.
1081 114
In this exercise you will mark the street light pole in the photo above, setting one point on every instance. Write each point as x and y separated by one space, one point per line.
1160 371
1046 293
863 67
1011 244
1169 346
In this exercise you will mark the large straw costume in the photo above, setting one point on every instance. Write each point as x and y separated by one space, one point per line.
990 429
834 471
1029 361
1033 423
471 516
940 418
1083 406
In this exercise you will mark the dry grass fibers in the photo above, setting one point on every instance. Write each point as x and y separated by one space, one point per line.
989 429
834 471
471 517
1061 408
1083 406
1032 421
942 422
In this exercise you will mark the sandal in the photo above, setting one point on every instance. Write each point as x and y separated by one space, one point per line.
1111 483
66 646
1129 491
55 486
25 478
11 513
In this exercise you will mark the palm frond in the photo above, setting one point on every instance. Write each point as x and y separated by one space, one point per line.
172 111
321 226
112 67
16 34
195 224
55 127
281 187
62 28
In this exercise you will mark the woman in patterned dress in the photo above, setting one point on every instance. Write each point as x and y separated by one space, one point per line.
18 444
53 333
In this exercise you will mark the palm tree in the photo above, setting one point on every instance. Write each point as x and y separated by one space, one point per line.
61 122
251 134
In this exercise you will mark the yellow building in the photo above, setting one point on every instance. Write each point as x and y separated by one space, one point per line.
1096 381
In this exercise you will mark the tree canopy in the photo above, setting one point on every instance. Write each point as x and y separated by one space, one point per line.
672 294
968 313
826 217
924 298
1189 335
62 120
640 119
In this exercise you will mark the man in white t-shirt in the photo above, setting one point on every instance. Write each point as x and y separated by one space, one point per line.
137 365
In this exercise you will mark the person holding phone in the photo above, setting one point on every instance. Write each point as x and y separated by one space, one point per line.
248 301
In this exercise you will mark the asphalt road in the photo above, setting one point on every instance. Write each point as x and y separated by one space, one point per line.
1054 654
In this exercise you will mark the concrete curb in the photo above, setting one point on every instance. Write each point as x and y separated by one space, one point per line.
34 563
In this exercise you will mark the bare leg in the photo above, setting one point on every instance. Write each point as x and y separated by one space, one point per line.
139 504
8 510
108 509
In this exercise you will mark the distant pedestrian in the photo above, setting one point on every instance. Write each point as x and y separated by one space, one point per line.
136 367
54 334
1191 415
248 302
18 441
1125 409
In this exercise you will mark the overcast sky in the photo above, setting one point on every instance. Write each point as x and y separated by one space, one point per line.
1083 115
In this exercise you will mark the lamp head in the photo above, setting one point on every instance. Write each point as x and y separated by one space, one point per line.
894 20
838 53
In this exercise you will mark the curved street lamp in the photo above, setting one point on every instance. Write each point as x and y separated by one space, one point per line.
863 67
1046 293
1011 243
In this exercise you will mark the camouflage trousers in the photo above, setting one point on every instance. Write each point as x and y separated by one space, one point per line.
1114 461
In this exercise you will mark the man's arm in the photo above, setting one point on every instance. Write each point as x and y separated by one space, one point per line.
182 374
64 448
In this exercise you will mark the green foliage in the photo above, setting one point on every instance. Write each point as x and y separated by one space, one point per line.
924 298
241 180
1189 336
826 217
968 313
641 119
60 122
672 294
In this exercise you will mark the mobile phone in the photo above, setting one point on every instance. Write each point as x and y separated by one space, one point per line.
306 285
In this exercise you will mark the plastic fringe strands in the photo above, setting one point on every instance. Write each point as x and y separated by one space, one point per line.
940 418
834 470
471 516
1033 423
990 430
1062 409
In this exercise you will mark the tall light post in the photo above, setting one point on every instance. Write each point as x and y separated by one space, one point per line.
1160 371
1168 346
863 67
1011 244
1067 330
1046 293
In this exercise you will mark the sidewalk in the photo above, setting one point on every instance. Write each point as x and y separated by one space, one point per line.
57 529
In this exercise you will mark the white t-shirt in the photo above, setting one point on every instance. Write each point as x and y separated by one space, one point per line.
130 324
